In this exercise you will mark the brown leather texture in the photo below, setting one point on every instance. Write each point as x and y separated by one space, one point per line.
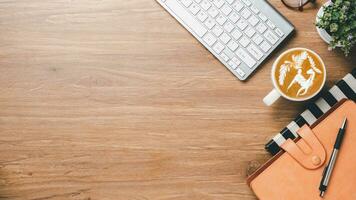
296 173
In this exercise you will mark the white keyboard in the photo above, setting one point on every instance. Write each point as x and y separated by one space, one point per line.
240 33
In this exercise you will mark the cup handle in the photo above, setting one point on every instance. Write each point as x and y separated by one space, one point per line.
271 97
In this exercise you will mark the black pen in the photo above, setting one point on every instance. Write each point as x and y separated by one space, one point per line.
330 167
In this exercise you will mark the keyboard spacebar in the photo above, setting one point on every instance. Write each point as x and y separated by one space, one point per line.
188 19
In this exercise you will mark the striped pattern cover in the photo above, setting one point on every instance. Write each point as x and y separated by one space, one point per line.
345 88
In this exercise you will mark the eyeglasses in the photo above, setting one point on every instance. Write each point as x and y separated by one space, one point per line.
297 4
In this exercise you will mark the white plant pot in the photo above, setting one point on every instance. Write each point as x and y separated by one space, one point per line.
323 33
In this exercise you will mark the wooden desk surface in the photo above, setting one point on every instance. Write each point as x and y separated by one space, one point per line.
105 99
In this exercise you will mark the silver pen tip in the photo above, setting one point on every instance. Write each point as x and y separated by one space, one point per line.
344 123
322 193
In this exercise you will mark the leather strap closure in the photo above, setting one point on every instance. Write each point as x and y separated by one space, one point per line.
308 151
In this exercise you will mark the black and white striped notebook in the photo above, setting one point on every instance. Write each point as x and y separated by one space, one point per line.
345 88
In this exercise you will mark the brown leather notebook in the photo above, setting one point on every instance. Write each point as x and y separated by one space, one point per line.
295 172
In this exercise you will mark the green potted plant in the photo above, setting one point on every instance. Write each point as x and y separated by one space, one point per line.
336 24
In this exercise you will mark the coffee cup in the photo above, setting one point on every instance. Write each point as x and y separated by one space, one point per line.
298 74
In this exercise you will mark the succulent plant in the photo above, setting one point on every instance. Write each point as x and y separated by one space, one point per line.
339 20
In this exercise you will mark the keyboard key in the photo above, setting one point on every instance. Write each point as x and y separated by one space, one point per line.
235 60
242 24
217 30
244 41
202 16
226 9
261 28
229 53
205 4
224 57
271 37
234 17
225 38
188 19
213 12
186 3
253 20
218 3
221 19
254 51
270 24
246 13
209 39
257 39
263 17
229 26
232 45
232 64
238 5
236 34
250 31
240 72
247 2
265 46
218 47
210 23
279 32
247 59
194 8
255 10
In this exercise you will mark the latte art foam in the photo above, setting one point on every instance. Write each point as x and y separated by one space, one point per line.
299 74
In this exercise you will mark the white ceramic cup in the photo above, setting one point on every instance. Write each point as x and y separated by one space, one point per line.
276 92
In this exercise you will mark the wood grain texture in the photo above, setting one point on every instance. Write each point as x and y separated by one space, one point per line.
104 99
